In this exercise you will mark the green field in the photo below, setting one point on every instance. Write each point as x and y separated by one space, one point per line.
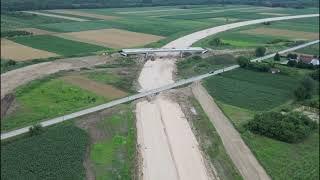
281 160
114 156
252 90
193 66
211 144
57 153
312 50
47 98
57 45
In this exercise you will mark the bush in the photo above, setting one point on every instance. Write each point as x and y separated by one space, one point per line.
276 57
305 89
35 130
215 42
292 127
292 63
243 61
315 75
260 51
292 56
261 67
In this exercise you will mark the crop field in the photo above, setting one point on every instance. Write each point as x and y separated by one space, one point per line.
114 155
114 38
312 50
48 98
9 50
83 14
252 90
57 45
282 33
281 160
57 153
193 66
105 90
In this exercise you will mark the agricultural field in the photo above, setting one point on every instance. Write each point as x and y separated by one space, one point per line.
243 93
57 153
57 45
312 50
251 90
113 38
276 36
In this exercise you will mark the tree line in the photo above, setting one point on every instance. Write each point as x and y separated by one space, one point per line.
18 5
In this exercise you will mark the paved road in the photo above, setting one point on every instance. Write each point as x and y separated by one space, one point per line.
140 95
238 151
188 40
56 16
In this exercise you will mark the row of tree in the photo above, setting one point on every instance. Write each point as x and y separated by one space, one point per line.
15 5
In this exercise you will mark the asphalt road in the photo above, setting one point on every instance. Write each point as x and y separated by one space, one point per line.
46 123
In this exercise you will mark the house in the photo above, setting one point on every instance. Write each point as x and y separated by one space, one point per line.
309 60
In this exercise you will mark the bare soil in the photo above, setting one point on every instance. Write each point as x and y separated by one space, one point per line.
6 103
19 52
84 14
104 90
114 38
282 32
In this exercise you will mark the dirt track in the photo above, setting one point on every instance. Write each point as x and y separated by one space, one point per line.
84 14
238 151
12 79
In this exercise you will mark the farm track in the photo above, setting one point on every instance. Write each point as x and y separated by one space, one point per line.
56 16
238 151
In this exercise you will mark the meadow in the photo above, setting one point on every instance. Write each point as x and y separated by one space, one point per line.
47 98
114 155
251 90
312 50
281 160
57 45
57 153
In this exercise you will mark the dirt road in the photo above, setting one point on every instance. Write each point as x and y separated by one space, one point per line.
238 151
12 79
56 16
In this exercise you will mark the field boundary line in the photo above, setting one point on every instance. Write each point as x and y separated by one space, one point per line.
53 121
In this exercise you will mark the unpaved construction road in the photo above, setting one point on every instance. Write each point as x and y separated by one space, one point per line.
238 151
12 79
172 126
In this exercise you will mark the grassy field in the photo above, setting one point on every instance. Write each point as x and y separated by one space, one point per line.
212 145
114 156
57 153
312 50
58 45
47 98
281 160
252 90
193 66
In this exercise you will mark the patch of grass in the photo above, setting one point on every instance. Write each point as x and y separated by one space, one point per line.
256 91
57 45
48 98
286 161
211 143
57 153
312 50
196 65
114 156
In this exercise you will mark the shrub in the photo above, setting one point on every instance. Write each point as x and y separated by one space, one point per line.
196 57
35 130
292 56
315 75
292 63
291 127
260 51
276 57
215 42
243 61
305 89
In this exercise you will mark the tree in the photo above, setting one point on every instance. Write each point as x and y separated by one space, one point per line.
260 51
292 56
305 89
276 57
243 61
292 63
